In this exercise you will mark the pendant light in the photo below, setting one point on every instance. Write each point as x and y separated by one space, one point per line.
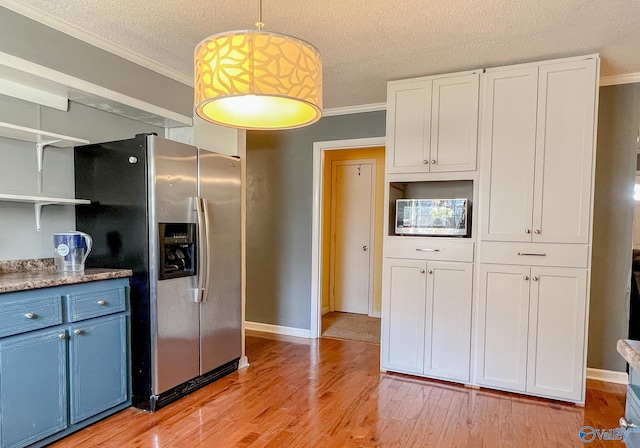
254 79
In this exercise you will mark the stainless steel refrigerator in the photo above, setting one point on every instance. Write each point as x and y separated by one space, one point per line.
171 213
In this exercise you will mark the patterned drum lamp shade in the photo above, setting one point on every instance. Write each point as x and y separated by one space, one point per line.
258 80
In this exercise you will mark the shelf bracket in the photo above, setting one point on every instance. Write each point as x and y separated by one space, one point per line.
38 210
40 146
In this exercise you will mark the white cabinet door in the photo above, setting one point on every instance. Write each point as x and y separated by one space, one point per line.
454 123
557 332
408 126
508 154
564 151
403 315
537 157
502 326
448 320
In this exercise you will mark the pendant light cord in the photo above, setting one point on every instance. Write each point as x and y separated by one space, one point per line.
260 23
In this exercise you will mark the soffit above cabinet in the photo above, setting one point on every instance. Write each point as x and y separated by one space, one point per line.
28 81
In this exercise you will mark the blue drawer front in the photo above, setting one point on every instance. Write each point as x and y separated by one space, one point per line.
96 302
19 314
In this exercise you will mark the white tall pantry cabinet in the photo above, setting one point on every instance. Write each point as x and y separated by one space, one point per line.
522 326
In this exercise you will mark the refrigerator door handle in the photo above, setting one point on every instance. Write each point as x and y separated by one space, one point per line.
207 248
202 250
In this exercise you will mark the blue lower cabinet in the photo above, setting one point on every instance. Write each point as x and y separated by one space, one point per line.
64 360
98 365
33 386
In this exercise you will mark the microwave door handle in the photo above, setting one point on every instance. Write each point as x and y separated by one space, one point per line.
427 250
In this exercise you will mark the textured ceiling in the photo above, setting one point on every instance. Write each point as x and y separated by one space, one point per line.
365 43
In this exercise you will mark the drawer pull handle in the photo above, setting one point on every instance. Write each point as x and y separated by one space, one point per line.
427 250
533 254
30 315
77 331
101 302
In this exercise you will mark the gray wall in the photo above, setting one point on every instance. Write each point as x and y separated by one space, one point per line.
18 171
30 40
613 224
279 213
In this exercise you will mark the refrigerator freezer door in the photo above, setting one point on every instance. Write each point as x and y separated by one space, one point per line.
221 312
173 169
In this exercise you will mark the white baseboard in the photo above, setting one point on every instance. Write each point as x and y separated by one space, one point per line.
608 376
326 310
244 362
278 329
376 314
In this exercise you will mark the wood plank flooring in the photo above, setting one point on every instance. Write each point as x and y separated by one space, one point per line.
330 393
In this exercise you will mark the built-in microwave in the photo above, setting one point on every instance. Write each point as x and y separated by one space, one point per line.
433 217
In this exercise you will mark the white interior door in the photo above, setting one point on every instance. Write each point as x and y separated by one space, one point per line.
352 207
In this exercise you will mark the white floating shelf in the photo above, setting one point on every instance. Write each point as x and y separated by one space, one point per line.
40 201
25 134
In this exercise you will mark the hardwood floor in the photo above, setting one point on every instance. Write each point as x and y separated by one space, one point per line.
330 393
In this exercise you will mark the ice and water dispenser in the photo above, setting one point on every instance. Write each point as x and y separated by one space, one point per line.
178 246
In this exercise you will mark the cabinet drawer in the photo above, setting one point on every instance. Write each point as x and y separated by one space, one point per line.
19 315
427 248
535 254
100 302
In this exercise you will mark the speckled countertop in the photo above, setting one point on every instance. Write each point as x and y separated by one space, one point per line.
21 275
630 351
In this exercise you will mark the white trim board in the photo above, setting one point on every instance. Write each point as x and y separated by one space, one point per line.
608 376
628 78
348 110
277 329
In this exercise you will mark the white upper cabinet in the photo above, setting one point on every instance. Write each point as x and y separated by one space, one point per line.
432 124
537 152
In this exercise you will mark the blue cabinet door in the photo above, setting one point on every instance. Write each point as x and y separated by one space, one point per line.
98 377
33 386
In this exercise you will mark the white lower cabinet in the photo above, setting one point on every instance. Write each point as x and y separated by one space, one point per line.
426 325
531 330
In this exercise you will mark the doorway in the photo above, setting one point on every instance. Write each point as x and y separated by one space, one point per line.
346 269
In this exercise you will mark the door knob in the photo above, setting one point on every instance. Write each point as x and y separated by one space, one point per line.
365 248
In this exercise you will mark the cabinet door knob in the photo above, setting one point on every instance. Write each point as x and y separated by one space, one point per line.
62 336
422 271
77 331
534 278
537 232
527 230
101 302
29 315
426 162
433 162
430 271
526 277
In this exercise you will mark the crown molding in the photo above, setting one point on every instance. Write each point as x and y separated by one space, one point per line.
354 109
96 41
628 78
